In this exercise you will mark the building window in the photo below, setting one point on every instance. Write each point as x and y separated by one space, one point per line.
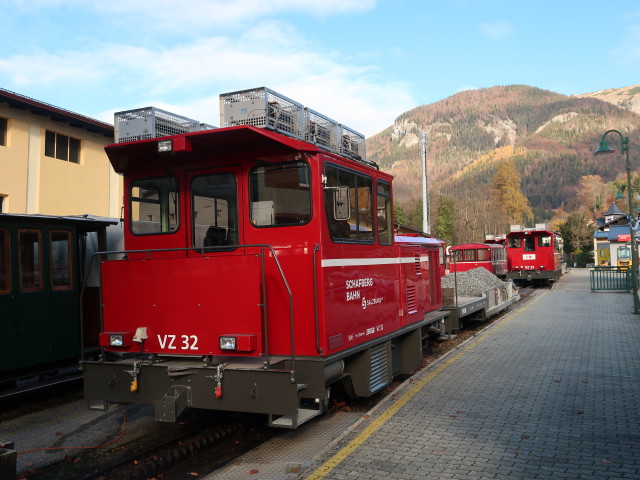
62 147
3 131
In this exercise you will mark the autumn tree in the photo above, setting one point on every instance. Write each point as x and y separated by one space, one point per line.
507 197
594 195
577 234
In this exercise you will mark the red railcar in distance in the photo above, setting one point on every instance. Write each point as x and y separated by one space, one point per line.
260 269
534 254
492 256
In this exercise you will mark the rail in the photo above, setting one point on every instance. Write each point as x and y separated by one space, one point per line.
202 251
610 278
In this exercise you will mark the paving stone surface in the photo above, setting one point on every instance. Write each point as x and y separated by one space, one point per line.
552 391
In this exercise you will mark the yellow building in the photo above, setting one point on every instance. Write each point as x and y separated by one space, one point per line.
52 161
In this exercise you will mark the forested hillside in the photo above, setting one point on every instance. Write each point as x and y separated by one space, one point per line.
550 137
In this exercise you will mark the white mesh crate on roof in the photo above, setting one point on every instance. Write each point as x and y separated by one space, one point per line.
152 122
263 108
322 131
352 144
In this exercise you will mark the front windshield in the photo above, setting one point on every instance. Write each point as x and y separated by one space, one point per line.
154 206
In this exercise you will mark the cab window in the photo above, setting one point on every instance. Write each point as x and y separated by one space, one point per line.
359 226
154 206
515 242
214 210
383 210
529 244
544 241
280 195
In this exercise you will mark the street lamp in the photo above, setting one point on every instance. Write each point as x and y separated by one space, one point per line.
604 149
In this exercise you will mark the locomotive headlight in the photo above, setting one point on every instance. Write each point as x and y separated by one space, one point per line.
115 339
165 146
227 343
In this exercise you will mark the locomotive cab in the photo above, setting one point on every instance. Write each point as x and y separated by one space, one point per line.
259 270
534 254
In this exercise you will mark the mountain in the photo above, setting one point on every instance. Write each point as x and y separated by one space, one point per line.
550 136
626 97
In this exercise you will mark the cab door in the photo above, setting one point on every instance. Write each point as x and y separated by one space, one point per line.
214 209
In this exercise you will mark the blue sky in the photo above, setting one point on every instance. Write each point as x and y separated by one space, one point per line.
360 62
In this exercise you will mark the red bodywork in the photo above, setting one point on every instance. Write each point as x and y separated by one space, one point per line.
491 256
284 290
534 254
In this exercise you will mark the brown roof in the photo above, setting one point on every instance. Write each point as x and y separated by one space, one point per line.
36 107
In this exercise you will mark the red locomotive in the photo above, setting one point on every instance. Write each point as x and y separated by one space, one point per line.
534 254
260 267
492 256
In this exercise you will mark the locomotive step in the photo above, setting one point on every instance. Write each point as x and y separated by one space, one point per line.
287 421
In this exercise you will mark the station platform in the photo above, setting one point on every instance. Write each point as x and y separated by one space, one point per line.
550 391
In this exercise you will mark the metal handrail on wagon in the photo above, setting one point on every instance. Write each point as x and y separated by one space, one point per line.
202 251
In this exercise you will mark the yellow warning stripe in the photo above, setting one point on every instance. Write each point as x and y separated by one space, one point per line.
353 445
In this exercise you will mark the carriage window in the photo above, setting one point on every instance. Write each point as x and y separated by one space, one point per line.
30 259
214 210
515 242
544 241
359 227
469 255
5 279
383 209
280 195
484 254
154 206
456 255
60 260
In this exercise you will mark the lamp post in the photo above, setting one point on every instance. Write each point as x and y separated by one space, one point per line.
604 149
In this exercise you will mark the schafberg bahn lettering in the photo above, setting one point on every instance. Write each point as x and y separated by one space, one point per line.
353 294
357 283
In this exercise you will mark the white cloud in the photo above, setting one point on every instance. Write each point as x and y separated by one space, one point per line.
496 30
186 75
187 78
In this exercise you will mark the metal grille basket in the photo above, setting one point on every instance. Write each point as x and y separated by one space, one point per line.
152 122
263 108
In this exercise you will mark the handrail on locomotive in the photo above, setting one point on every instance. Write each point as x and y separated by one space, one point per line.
209 249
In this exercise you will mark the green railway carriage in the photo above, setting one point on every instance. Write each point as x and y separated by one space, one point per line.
42 265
